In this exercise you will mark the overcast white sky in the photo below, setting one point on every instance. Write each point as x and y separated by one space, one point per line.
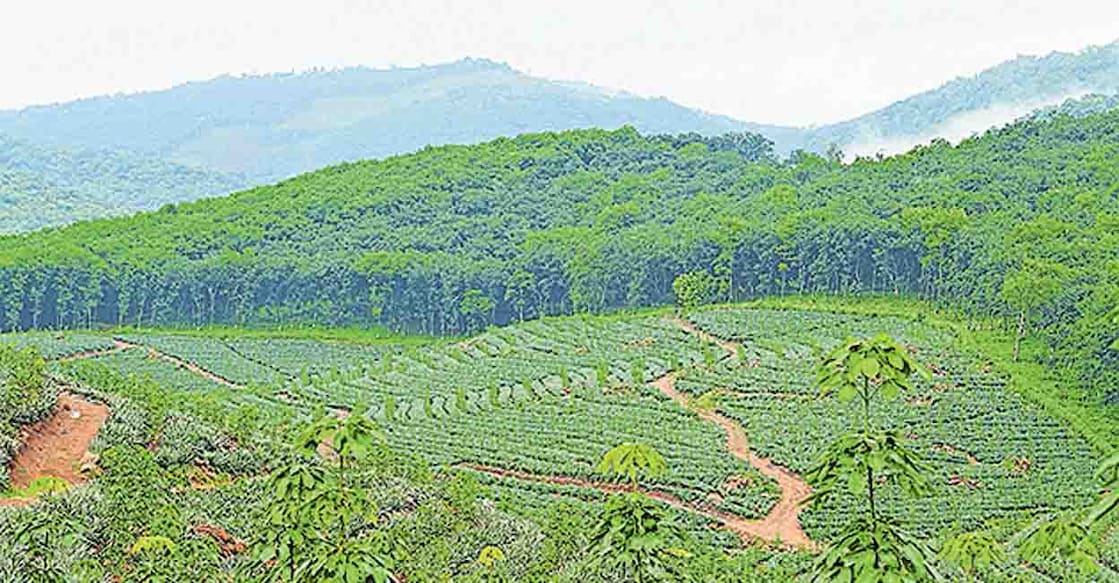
780 61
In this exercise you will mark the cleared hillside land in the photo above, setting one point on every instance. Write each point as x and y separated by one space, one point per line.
528 410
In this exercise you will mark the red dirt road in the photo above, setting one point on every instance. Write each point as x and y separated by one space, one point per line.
56 446
783 521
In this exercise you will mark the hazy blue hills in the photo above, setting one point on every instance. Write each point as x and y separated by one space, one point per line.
970 105
275 126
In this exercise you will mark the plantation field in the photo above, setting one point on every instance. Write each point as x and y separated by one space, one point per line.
993 454
545 397
528 410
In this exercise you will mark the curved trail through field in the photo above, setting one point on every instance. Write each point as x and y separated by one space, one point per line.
690 328
118 346
57 446
743 527
783 521
184 364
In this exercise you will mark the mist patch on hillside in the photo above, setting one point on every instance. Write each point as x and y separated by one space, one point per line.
958 127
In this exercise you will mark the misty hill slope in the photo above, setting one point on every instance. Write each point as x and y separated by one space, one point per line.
275 126
43 186
271 127
970 105
1081 107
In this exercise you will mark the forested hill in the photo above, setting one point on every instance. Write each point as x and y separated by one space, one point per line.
44 186
1023 221
272 127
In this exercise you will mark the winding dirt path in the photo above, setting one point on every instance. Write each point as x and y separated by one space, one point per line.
746 529
120 345
783 521
781 524
694 330
57 445
190 366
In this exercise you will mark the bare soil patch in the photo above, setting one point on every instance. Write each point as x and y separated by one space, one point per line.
58 446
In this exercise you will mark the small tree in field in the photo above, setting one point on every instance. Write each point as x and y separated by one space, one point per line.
1067 536
489 565
697 288
1030 287
873 547
630 460
476 308
635 537
973 552
318 515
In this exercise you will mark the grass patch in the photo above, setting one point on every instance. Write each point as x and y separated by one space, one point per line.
38 486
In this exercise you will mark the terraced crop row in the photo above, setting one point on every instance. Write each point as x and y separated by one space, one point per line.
546 397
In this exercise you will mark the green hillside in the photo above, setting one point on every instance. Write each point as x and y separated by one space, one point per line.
43 186
116 154
522 437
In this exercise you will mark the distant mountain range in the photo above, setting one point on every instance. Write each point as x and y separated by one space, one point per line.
117 154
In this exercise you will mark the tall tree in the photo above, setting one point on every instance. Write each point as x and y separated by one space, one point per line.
872 547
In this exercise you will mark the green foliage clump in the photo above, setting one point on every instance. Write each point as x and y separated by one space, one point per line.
697 288
26 396
630 460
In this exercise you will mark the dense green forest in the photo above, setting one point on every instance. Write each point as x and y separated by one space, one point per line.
1021 223
44 186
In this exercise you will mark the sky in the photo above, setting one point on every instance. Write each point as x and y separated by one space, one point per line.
795 62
